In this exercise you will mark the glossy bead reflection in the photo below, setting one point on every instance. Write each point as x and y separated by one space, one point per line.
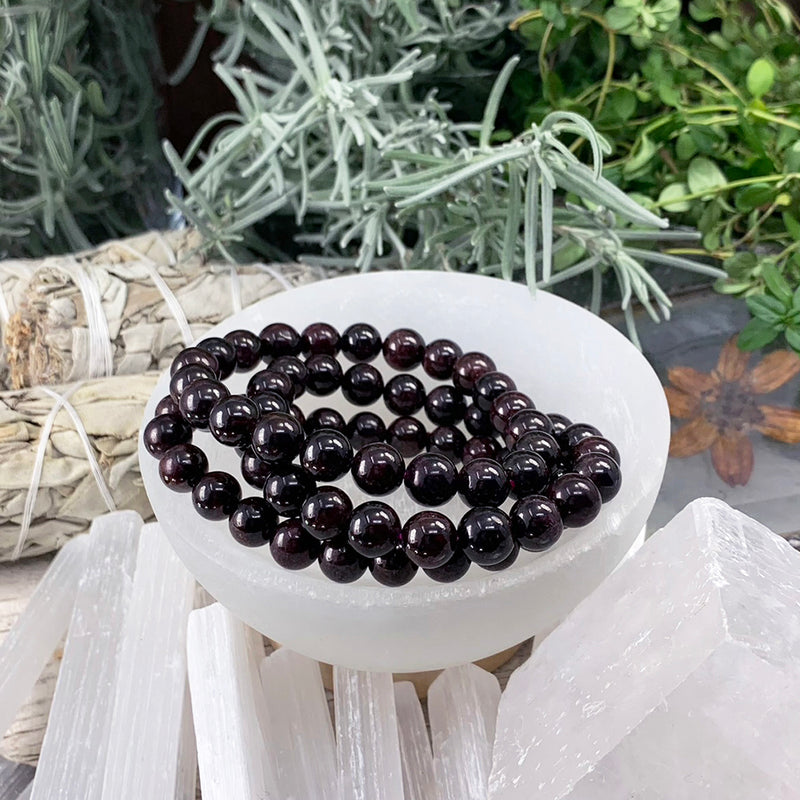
484 534
186 377
448 441
319 337
483 482
536 523
431 479
166 405
254 470
524 421
404 395
233 420
393 569
248 349
408 436
440 357
279 339
326 513
595 444
378 469
477 422
575 433
195 355
559 422
287 488
327 454
542 444
506 406
269 381
182 466
199 398
403 349
216 495
362 384
445 405
165 431
277 437
360 342
489 387
324 418
223 351
267 402
365 428
457 567
292 547
506 562
324 374
527 473
340 563
294 369
252 522
374 529
577 499
430 538
480 447
602 471
469 368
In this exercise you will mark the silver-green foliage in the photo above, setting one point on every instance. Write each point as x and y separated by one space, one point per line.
78 141
333 129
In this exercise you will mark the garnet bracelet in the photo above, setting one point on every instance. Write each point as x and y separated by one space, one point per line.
558 473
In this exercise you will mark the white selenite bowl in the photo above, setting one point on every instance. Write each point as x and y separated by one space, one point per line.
565 358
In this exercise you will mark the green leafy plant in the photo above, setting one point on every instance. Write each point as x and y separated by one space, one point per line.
776 312
79 149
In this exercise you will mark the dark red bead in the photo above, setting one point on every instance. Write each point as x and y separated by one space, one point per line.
324 374
365 428
489 387
457 567
408 436
295 411
248 348
577 499
269 381
440 358
524 421
447 441
477 422
294 369
199 398
233 420
321 418
223 351
279 339
430 539
595 444
403 348
445 405
292 547
327 454
186 377
360 342
252 522
506 562
431 479
483 482
287 488
164 432
506 406
340 563
362 384
484 534
374 529
527 473
559 422
195 355
602 471
378 469
542 444
576 433
480 447
320 338
267 402
326 513
277 437
254 470
166 405
216 495
536 523
404 395
393 569
469 368
182 466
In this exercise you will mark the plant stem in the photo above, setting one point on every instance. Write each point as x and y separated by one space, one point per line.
789 176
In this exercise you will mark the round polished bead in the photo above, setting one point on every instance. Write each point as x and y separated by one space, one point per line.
595 444
522 422
233 420
404 395
166 405
360 342
393 569
447 440
248 349
319 338
431 479
577 499
267 380
480 447
469 368
506 562
408 436
403 348
527 473
292 546
327 454
223 351
254 470
326 513
279 339
477 422
216 495
182 466
199 398
277 437
574 434
378 469
506 406
287 488
559 422
602 471
267 402
252 522
164 432
484 534
483 482
340 563
542 444
324 374
294 369
321 418
186 377
362 384
536 523
445 405
430 539
297 413
375 529
195 355
365 428
489 387
457 567
440 357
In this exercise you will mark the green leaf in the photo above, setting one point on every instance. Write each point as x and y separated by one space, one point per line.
756 334
645 151
793 338
796 299
740 265
776 283
685 147
760 77
792 225
704 175
753 196
766 308
703 10
669 95
674 191
791 158
620 18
